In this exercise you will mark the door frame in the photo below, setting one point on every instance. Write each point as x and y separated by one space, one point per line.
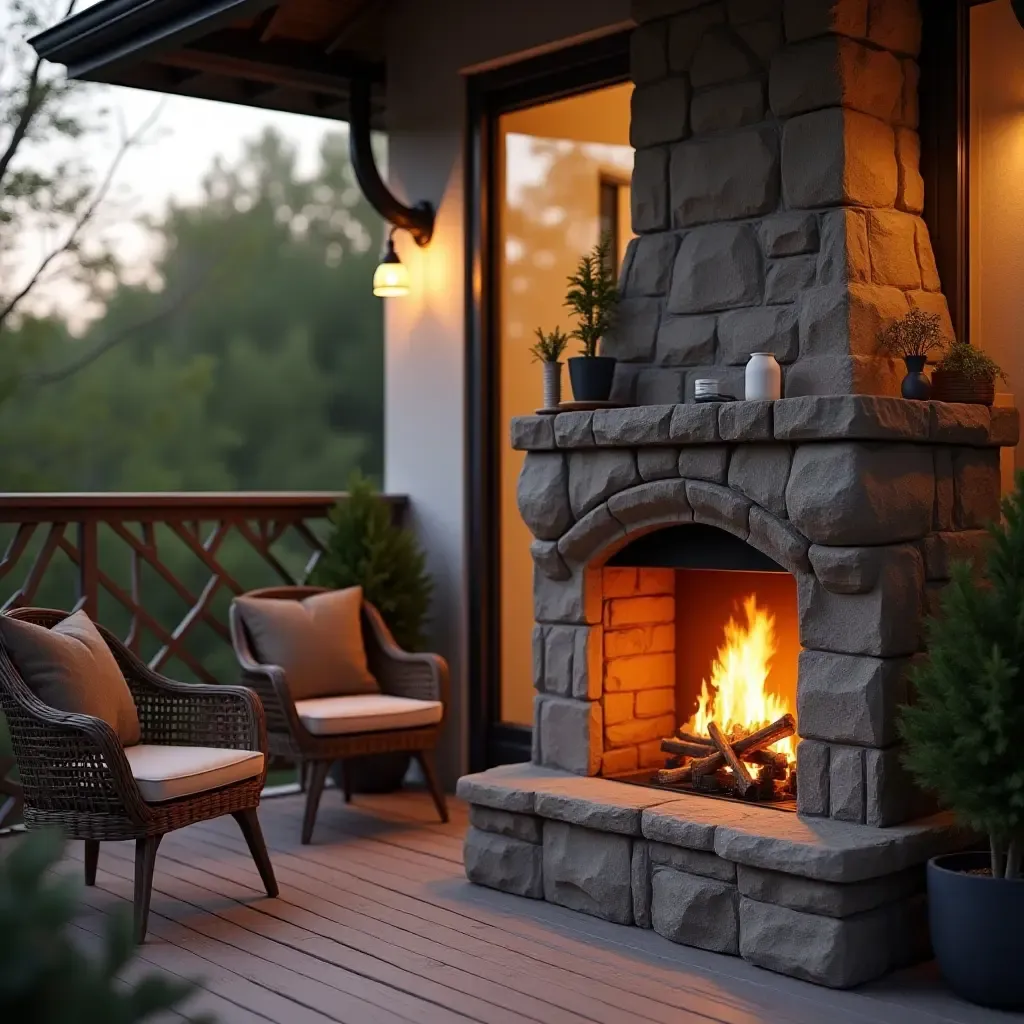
570 71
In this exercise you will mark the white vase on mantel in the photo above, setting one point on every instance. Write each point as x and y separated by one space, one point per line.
763 378
552 384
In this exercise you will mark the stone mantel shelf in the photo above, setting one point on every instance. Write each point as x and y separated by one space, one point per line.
809 418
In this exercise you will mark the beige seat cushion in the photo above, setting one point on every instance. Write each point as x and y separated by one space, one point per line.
318 642
70 668
335 716
166 773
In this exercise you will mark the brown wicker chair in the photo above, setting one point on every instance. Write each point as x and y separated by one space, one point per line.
399 673
76 777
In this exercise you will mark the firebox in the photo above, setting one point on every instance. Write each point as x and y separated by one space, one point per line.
699 662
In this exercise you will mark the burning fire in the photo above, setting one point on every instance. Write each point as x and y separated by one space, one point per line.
736 697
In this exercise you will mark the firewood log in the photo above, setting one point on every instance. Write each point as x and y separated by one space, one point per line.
686 749
744 780
765 737
686 737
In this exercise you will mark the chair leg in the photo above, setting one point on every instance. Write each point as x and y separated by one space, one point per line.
426 763
249 823
145 858
346 781
92 856
317 777
303 776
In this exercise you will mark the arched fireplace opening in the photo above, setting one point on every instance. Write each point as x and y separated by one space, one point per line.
699 666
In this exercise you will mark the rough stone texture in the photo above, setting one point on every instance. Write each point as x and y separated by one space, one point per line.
727 106
976 487
543 495
955 423
719 506
890 794
746 421
1005 427
694 424
648 54
661 501
694 911
649 190
588 871
825 950
788 279
895 25
624 427
805 19
524 827
830 899
705 462
501 862
595 476
908 162
574 430
745 331
650 267
812 770
846 784
658 113
717 267
857 493
575 601
509 787
790 234
532 433
720 57
850 418
546 557
686 340
570 734
845 255
559 648
894 259
687 30
658 386
693 862
847 570
640 883
635 330
761 473
848 699
778 540
884 623
657 463
725 177
597 804
941 550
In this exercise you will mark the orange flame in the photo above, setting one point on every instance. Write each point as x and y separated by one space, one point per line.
737 697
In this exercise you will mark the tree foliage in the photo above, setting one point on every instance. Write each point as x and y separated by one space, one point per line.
965 728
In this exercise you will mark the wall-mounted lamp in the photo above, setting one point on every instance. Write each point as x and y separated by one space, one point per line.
1018 9
391 276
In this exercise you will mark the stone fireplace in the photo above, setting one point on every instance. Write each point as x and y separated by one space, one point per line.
777 200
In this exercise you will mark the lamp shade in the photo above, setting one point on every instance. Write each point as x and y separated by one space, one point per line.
391 278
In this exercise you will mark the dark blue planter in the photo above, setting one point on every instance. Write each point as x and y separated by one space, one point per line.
976 930
591 377
916 385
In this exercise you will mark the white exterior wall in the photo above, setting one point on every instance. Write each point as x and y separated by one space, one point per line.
430 46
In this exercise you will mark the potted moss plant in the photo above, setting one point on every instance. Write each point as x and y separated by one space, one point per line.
966 374
592 299
912 338
547 350
964 734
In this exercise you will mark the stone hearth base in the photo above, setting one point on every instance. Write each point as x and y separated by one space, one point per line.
826 901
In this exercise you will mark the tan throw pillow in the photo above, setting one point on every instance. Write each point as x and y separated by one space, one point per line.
318 642
70 668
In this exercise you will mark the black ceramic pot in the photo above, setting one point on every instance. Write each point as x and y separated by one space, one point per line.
591 377
975 926
915 384
374 773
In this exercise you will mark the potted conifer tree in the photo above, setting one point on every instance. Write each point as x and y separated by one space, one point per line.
592 299
964 733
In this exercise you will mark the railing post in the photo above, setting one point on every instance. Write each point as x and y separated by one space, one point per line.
88 567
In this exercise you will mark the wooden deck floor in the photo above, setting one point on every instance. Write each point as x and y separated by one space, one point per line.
376 924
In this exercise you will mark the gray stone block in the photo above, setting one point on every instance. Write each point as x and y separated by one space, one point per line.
571 735
695 911
805 19
532 433
788 279
509 787
546 557
850 418
778 540
659 501
719 506
624 383
717 267
537 640
500 862
743 11
846 784
648 53
524 827
860 494
957 423
705 462
764 37
568 601
649 190
693 424
594 476
543 495
1004 429
650 269
761 473
720 57
559 648
659 112
812 778
976 487
942 550
686 340
848 699
848 570
660 386
599 804
830 899
588 871
596 531
725 177
770 329
687 30
890 794
640 883
942 518
657 463
632 336
631 427
746 421
829 951
574 430
730 380
693 862
727 106
789 234
681 823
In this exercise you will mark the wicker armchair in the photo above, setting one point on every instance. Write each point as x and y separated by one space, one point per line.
398 673
76 777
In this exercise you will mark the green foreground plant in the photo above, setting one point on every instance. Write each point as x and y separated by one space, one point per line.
548 347
368 550
964 730
593 297
46 977
916 333
970 363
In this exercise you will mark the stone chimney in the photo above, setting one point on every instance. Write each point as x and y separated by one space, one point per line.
776 194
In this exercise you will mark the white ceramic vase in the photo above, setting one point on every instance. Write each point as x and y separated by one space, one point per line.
763 378
552 384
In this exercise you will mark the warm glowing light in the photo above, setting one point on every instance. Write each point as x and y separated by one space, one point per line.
390 280
736 697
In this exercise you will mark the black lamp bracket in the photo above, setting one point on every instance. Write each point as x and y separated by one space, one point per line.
418 220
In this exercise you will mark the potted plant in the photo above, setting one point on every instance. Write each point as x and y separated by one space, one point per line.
592 299
912 338
367 548
966 374
964 734
547 350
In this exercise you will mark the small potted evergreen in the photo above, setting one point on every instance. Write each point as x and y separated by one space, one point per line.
547 350
966 374
912 338
592 299
964 734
